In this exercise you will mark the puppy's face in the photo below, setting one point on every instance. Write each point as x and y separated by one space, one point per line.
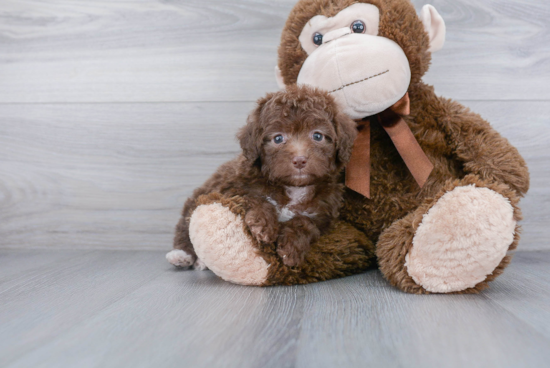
299 149
297 137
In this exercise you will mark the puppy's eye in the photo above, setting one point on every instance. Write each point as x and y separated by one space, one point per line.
278 139
358 26
317 38
318 137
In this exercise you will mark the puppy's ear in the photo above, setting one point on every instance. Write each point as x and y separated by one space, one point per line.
346 130
250 136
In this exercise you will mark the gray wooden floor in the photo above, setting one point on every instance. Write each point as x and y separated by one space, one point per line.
131 309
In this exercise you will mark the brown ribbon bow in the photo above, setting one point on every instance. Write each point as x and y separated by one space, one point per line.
391 119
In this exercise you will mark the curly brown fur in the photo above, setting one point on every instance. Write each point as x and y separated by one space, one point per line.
294 144
295 239
343 251
451 136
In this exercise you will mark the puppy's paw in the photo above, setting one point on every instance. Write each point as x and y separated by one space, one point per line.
179 258
291 248
262 226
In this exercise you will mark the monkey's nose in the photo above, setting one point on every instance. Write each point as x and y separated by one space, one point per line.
299 162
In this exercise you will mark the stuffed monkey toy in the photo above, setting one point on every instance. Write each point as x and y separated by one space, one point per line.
432 190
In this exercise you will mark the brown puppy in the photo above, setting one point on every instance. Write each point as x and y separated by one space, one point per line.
295 144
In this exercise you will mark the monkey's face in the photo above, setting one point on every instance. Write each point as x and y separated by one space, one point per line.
356 54
364 73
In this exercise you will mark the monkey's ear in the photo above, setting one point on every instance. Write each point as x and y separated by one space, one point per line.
249 136
434 25
346 130
279 78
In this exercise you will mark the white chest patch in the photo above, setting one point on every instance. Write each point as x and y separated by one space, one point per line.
297 195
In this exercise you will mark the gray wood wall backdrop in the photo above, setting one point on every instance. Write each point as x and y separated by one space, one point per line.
111 112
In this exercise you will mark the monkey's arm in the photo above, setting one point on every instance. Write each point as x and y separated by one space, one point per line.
483 151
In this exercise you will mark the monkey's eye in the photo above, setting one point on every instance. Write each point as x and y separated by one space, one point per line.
318 137
358 26
317 38
278 139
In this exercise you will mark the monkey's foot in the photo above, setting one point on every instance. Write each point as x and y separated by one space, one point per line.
220 241
461 239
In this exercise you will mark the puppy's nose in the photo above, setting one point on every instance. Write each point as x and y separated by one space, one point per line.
299 162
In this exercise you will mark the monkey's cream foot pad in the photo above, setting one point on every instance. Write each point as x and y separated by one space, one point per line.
220 242
461 239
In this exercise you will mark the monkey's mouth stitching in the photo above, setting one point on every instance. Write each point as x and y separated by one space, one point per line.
359 81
